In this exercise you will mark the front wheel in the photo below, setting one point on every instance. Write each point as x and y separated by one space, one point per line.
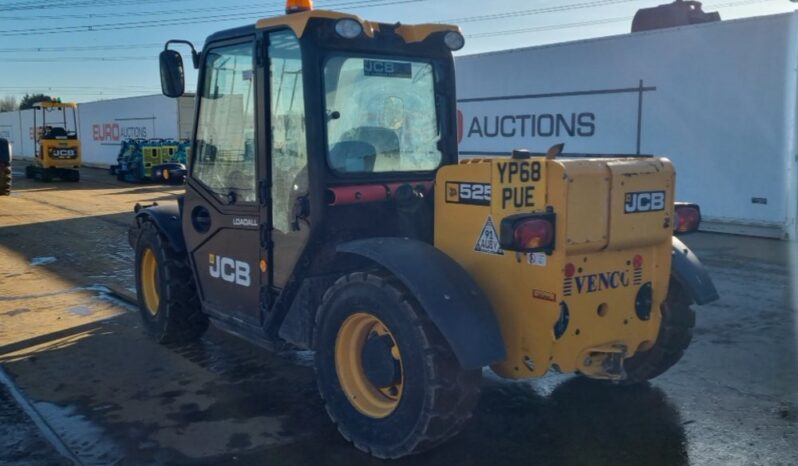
167 295
675 334
389 380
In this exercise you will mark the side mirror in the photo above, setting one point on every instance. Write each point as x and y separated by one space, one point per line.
5 152
173 81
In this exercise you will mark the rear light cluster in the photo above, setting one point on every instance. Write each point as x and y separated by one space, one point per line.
528 233
687 218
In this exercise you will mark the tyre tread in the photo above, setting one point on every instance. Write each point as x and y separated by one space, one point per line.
5 180
675 335
185 321
451 394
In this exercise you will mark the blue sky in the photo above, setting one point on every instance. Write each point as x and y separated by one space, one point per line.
122 61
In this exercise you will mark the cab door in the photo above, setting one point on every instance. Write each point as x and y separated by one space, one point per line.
221 215
288 160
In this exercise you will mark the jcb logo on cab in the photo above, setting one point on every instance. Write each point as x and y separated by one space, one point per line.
229 270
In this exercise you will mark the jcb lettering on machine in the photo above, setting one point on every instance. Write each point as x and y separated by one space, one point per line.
229 270
649 201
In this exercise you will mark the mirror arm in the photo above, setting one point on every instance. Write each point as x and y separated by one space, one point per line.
194 55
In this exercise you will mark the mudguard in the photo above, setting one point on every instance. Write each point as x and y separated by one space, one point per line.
451 298
167 219
692 275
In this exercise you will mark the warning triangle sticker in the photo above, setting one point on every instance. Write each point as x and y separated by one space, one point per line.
488 241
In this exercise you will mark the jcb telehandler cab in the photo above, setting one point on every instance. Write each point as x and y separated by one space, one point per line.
55 138
325 207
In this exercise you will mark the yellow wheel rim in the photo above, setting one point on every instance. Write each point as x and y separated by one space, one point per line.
149 281
370 400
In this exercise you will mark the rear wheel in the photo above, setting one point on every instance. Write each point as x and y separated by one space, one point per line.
73 176
675 334
167 295
43 174
388 378
5 179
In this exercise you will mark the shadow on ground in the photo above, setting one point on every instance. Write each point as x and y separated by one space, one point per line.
116 396
85 250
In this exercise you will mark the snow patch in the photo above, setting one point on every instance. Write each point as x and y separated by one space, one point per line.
42 260
81 311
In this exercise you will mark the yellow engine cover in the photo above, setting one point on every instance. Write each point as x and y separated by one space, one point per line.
613 229
59 153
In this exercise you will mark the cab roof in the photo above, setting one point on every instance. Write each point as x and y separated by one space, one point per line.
55 105
298 22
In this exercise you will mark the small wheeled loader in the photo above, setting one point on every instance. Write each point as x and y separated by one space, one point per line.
151 160
5 167
326 208
55 135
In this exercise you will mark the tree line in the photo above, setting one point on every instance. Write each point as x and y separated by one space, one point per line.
9 103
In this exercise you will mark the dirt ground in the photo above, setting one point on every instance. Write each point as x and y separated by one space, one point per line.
75 354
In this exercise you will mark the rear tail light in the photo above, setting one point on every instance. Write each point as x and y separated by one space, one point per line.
687 218
528 233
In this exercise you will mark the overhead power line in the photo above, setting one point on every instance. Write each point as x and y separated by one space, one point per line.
94 88
77 59
183 11
80 48
54 4
550 27
536 11
182 21
554 27
464 19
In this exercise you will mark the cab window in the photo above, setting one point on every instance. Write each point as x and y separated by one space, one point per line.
381 115
289 140
225 162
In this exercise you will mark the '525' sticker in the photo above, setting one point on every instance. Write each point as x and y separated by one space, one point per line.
468 193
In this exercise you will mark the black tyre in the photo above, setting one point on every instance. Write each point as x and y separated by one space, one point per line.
73 176
44 174
167 294
675 334
29 172
389 380
5 179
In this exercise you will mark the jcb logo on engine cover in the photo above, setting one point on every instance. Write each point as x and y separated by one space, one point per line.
229 270
646 201
63 153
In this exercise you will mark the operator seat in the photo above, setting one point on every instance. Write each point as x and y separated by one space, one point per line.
385 142
55 133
